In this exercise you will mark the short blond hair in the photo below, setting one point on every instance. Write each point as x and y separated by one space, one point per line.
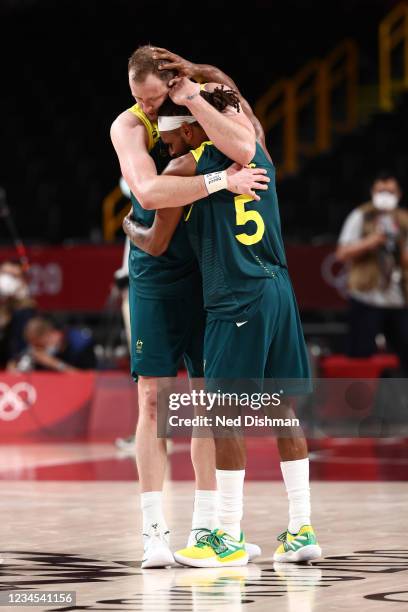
141 64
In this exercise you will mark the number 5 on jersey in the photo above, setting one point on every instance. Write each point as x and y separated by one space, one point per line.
243 216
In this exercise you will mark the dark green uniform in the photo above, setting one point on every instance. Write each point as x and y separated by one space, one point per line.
165 293
253 327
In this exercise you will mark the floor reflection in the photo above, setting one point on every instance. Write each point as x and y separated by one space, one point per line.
233 587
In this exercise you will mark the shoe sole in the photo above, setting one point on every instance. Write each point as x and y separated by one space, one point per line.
253 551
307 553
211 562
161 558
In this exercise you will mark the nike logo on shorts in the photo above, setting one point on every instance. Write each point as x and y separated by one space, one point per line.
241 323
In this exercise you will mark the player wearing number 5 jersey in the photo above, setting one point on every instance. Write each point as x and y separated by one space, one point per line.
253 328
247 291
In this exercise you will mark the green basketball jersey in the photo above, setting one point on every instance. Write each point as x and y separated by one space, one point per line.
237 240
170 274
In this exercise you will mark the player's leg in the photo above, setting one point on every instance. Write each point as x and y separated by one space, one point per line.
288 359
227 359
205 519
151 455
222 350
151 357
299 541
151 465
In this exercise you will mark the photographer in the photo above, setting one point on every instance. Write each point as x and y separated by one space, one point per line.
374 241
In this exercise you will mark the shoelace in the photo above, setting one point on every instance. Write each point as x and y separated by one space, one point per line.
282 537
213 540
289 545
200 530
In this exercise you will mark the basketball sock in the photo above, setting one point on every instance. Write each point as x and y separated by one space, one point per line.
205 510
230 485
204 514
151 504
296 477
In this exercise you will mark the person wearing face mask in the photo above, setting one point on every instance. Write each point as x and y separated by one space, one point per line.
50 348
374 243
16 308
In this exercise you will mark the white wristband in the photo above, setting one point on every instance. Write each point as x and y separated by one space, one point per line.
215 181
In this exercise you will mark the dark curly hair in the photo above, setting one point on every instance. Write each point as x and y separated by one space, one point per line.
220 98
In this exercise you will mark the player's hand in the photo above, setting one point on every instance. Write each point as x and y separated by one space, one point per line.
171 61
244 180
128 222
181 89
129 215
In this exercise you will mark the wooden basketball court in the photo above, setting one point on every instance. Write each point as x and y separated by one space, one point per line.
81 532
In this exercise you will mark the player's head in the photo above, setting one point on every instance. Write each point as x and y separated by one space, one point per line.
148 84
180 131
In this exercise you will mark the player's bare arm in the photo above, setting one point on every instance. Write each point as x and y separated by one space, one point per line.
232 133
129 138
205 73
153 240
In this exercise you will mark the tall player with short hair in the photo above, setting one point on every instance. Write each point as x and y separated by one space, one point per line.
250 302
167 316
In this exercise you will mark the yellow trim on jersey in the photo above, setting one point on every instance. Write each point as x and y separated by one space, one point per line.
151 126
202 86
197 153
187 216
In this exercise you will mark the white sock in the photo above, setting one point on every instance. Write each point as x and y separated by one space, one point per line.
151 504
230 485
296 477
204 514
205 510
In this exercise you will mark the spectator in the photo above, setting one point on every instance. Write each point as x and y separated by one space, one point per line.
50 348
16 308
374 241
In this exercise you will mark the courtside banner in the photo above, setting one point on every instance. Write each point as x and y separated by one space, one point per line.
73 278
74 406
335 407
45 405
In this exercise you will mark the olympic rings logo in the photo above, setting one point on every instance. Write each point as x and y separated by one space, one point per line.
15 400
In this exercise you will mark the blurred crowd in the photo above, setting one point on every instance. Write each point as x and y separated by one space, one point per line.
31 341
372 245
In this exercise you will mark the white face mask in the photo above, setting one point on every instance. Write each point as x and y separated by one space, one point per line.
52 350
11 286
385 200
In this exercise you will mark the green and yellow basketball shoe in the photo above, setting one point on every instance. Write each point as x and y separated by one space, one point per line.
253 550
216 549
302 546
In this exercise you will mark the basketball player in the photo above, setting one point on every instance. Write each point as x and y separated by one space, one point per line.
167 316
249 301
